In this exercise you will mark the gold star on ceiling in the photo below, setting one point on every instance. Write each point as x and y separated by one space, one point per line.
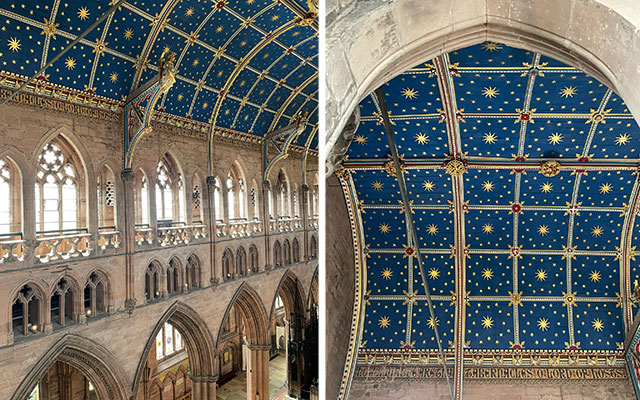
490 92
555 138
543 324
384 228
421 138
14 44
487 186
597 231
386 273
487 322
489 138
361 139
428 186
83 13
432 323
491 47
408 93
598 325
189 12
70 63
432 229
128 33
543 230
568 91
595 276
541 275
113 77
487 228
546 187
384 322
487 273
434 273
605 188
623 139
377 185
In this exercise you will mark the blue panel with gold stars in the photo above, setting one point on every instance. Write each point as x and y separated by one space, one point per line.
209 39
548 157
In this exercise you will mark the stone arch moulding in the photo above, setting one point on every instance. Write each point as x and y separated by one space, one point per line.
313 288
90 358
196 336
290 284
75 142
596 36
250 305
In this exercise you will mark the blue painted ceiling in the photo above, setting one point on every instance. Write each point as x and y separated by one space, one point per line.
515 109
209 38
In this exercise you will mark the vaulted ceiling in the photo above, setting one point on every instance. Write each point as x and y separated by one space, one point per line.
521 173
211 40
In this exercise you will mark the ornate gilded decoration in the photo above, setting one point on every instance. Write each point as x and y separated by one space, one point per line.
550 168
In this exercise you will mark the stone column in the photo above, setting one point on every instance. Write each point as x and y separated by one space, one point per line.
128 236
305 220
210 219
266 218
203 387
258 372
65 391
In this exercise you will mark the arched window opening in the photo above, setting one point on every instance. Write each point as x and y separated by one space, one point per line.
231 197
279 303
294 198
217 200
141 199
295 246
272 213
26 312
62 303
253 258
192 273
59 177
95 295
196 201
152 282
168 341
254 202
10 199
227 264
164 194
277 254
313 247
241 262
286 250
283 194
314 201
181 199
106 189
173 277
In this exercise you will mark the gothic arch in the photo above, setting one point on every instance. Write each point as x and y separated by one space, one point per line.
287 287
313 294
76 144
196 336
90 358
106 281
250 306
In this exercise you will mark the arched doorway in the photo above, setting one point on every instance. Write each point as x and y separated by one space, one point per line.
243 347
74 365
180 342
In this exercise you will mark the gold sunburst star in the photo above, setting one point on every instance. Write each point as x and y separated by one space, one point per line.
384 228
408 93
623 139
490 92
432 229
541 275
487 322
543 324
428 186
491 47
113 77
598 325
489 138
487 186
128 33
487 273
433 322
605 188
386 273
189 12
361 139
595 276
14 44
421 138
546 187
555 138
543 230
195 62
180 96
83 13
70 63
377 185
487 228
384 322
434 273
568 91
597 231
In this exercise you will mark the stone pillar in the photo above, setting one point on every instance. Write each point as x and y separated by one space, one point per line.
203 387
128 236
211 221
65 391
267 224
305 220
258 372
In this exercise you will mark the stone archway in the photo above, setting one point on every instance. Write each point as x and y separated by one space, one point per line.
95 362
249 305
200 349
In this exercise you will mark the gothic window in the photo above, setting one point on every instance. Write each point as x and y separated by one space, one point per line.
192 273
58 183
196 200
164 194
10 197
142 198
294 197
95 295
152 282
35 393
62 303
231 197
283 194
279 303
270 202
173 277
242 195
241 262
295 246
227 263
286 250
277 254
26 311
313 247
106 198
253 258
217 200
181 199
168 341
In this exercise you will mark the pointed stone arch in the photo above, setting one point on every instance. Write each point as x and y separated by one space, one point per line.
94 361
289 284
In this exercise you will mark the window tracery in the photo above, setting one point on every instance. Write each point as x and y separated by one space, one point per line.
10 201
168 341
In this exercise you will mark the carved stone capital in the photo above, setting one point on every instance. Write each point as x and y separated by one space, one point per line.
129 305
336 154
127 175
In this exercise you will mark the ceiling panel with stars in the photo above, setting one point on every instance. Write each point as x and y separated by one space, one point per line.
530 195
265 42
